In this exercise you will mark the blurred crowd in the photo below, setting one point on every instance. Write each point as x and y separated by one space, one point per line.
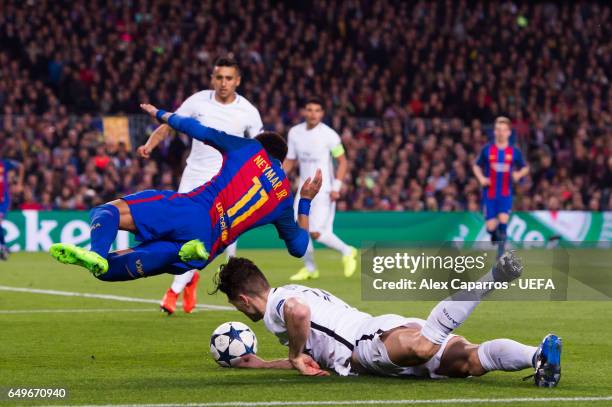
410 86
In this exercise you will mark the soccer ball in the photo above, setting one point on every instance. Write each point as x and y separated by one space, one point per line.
230 341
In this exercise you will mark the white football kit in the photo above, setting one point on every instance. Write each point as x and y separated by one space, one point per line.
337 330
313 149
238 118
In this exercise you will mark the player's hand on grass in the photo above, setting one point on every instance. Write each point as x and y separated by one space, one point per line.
149 109
312 185
307 366
144 151
249 361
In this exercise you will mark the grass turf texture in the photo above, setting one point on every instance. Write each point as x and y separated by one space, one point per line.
146 357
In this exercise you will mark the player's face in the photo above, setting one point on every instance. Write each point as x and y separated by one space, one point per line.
225 80
244 304
313 113
502 132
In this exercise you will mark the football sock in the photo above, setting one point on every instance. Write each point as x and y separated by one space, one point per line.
501 238
450 313
145 260
231 250
493 234
180 281
308 258
505 354
332 241
104 224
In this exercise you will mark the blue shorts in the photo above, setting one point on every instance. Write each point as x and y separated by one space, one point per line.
492 207
162 215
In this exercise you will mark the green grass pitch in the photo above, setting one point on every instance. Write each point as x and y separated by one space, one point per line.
112 352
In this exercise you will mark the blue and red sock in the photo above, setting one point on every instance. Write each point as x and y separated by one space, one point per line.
145 260
104 224
502 236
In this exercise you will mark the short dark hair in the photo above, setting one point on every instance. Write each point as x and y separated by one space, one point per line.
274 144
228 62
240 276
315 100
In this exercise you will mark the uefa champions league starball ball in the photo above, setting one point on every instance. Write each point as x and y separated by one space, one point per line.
230 341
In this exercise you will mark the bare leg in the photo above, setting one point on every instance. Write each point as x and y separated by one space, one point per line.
126 222
462 358
407 347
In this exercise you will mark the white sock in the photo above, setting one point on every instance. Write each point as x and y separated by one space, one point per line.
332 241
308 258
449 314
230 251
505 354
180 281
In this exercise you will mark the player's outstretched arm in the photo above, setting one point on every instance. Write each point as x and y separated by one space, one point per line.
297 321
194 129
251 361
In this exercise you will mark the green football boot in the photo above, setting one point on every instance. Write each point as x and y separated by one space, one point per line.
70 254
193 250
304 274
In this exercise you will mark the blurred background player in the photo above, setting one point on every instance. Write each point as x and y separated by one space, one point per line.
314 145
223 109
7 166
498 165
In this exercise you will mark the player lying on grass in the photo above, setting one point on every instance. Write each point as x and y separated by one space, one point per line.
323 332
182 231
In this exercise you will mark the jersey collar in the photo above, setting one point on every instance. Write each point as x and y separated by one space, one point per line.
214 99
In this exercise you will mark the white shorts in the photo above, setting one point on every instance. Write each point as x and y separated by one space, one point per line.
192 178
322 212
371 353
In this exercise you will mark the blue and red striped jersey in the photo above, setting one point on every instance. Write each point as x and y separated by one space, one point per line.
250 190
497 165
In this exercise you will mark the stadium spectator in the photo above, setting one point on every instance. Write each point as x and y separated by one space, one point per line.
412 115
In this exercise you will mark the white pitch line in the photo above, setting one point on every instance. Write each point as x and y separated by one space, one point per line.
366 402
75 310
105 297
